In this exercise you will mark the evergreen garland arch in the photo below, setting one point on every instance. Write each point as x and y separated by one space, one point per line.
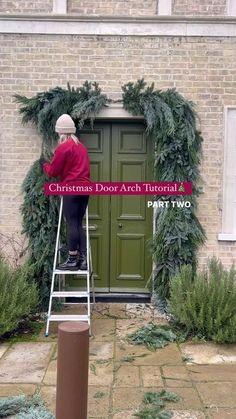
170 122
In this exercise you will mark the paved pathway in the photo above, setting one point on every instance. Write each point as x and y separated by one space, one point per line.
204 375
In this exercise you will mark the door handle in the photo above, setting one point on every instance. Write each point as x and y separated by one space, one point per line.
120 225
91 227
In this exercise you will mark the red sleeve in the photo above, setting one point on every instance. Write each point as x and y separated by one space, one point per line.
56 166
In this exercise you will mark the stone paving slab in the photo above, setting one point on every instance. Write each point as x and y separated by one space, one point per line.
217 394
124 398
98 401
151 376
125 414
3 348
103 330
100 311
8 390
221 413
120 373
177 372
170 355
118 311
101 350
100 374
25 363
50 377
48 394
186 414
177 383
127 376
189 399
176 376
209 353
219 373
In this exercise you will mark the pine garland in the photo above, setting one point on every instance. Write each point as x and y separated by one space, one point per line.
45 108
171 123
40 212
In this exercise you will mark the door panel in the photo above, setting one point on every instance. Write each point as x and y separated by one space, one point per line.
120 225
97 142
130 219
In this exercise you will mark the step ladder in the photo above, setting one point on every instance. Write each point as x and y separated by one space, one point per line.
74 294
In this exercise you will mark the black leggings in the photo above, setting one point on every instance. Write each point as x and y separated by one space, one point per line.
74 207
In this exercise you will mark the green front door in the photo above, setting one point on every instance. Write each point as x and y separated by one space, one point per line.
120 226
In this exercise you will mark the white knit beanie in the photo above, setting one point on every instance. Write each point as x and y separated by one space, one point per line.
65 125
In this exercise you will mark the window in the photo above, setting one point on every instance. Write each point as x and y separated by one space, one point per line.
164 7
60 6
231 7
229 180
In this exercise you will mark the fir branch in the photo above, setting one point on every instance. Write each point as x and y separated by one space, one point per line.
171 121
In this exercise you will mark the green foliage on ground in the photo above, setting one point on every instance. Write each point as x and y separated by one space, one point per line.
171 121
154 336
24 407
153 406
205 304
18 296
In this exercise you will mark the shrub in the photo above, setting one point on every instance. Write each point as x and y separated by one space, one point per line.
18 297
22 407
205 303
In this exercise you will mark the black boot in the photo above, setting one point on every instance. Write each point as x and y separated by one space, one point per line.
71 264
83 261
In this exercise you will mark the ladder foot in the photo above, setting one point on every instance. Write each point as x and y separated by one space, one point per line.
46 335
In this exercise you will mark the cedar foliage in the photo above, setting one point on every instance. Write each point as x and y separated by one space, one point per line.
171 122
24 407
153 405
205 304
45 108
40 212
18 297
154 336
39 221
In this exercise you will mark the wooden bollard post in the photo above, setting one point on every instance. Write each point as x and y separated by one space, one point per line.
72 370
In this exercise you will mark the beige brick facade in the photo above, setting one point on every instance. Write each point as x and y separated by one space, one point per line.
118 7
200 8
26 6
113 7
202 69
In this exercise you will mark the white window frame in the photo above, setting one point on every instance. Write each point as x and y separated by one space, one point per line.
60 7
227 235
231 7
164 7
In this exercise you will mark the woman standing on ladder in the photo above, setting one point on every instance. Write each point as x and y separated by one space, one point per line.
71 163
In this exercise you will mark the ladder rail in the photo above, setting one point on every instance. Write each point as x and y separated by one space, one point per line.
88 264
88 273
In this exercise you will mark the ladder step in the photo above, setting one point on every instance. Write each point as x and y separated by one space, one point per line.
75 317
78 272
70 294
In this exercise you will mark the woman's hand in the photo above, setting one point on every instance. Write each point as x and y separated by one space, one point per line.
42 161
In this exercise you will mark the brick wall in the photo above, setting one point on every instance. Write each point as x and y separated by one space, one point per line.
117 7
199 8
113 7
26 6
203 70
